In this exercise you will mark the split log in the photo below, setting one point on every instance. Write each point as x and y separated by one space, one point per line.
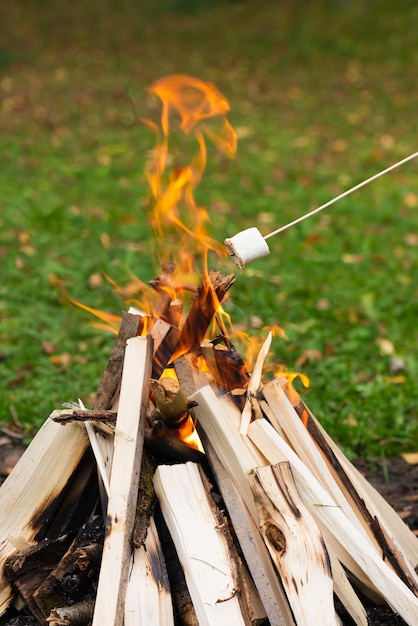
30 496
199 536
332 522
189 376
295 545
165 339
249 538
319 457
183 606
225 364
251 406
33 490
109 385
148 597
220 419
204 306
129 438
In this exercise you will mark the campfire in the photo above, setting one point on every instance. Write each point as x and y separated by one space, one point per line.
194 490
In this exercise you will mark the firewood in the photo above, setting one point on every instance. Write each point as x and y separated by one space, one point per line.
150 601
353 481
28 569
225 364
184 610
203 551
129 437
74 577
166 444
109 384
302 443
219 418
165 339
146 500
78 614
33 489
250 540
320 449
175 311
346 594
204 306
189 376
82 415
165 287
171 402
295 545
254 385
332 521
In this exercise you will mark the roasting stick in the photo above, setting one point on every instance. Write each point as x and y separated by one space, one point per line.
249 245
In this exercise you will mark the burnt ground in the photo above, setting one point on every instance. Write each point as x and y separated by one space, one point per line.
395 479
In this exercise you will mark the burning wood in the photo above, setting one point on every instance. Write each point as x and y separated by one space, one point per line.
324 505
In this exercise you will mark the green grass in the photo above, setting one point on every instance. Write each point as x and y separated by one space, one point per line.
323 95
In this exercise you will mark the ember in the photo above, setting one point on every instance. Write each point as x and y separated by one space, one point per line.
193 491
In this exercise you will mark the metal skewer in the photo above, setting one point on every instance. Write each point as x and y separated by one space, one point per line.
249 245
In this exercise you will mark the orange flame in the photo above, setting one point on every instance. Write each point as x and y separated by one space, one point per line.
194 103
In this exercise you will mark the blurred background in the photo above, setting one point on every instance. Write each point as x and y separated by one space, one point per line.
323 94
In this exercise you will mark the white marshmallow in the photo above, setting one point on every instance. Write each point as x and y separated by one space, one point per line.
246 246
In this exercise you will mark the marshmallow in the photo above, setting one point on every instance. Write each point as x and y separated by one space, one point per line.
246 246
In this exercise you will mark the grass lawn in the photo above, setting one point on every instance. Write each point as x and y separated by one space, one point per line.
323 94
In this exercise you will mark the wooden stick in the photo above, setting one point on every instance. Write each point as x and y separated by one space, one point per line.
250 540
74 615
148 597
330 517
326 455
113 372
129 438
204 306
295 545
202 549
33 487
220 419
254 385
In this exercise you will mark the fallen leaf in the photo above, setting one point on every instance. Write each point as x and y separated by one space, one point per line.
351 259
411 239
61 360
411 200
397 365
309 355
386 346
48 347
322 304
95 280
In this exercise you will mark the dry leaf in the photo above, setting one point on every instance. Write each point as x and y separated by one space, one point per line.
411 239
95 280
351 259
385 345
48 347
309 355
